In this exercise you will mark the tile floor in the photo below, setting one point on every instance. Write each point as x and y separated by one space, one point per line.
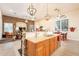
68 48
10 48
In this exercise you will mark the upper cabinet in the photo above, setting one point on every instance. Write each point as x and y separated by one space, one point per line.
30 26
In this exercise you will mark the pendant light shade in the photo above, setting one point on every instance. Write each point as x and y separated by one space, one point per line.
47 17
31 10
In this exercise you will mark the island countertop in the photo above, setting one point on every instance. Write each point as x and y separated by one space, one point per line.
40 38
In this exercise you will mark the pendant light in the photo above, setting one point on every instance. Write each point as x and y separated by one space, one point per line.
47 17
31 10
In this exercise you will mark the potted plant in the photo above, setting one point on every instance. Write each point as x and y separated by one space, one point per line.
72 29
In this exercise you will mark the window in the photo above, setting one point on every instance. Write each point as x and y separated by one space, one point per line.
62 25
57 25
8 27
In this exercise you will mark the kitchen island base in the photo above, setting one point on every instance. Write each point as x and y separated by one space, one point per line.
42 48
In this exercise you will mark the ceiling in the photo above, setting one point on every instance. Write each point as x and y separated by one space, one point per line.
20 9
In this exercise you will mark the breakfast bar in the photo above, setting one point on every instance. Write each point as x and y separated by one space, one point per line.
41 46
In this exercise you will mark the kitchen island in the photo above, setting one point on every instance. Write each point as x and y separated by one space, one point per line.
41 46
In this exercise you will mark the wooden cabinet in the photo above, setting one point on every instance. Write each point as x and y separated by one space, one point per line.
56 42
46 51
30 48
52 45
40 51
42 48
46 47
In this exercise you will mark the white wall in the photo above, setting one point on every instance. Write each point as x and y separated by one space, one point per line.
74 22
73 17
47 24
0 25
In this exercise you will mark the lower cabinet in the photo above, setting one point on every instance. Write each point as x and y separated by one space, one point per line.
46 47
40 51
46 51
52 45
29 48
43 48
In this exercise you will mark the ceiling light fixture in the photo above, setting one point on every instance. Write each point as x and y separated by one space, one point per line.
31 10
47 14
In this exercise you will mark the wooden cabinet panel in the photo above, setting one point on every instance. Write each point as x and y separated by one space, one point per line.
43 48
40 51
30 52
47 51
30 48
39 44
52 45
56 43
46 46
